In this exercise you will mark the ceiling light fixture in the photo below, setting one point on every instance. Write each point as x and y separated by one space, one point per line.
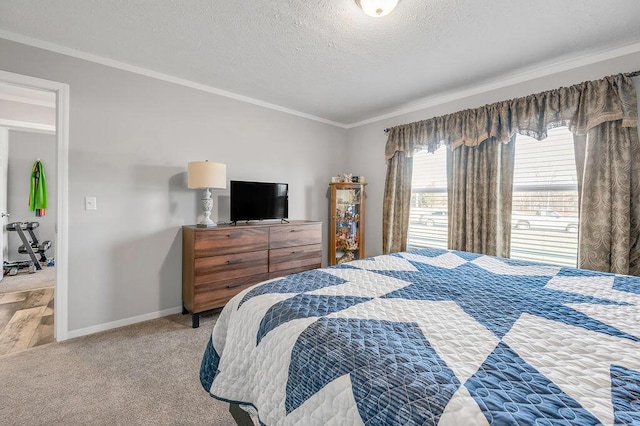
377 8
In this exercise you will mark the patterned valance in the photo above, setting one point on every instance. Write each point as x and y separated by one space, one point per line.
580 107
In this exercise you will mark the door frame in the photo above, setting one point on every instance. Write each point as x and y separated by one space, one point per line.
61 307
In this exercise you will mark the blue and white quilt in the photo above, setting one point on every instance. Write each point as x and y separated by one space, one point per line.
432 337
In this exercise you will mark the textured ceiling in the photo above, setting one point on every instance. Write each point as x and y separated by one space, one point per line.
326 57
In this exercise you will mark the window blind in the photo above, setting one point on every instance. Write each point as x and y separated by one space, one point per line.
545 199
428 213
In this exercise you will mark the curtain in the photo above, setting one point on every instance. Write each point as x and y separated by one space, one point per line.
480 186
396 204
581 107
608 163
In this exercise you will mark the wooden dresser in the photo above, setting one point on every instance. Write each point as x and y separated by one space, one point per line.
220 262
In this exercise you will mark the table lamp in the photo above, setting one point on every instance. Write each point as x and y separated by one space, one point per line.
207 175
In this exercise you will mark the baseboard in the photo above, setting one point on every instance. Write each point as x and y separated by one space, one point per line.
121 323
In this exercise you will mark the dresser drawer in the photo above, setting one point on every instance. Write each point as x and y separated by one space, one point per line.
213 242
231 266
216 295
295 257
294 235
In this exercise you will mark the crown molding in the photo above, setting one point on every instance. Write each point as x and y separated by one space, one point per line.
28 126
52 47
25 100
504 81
427 102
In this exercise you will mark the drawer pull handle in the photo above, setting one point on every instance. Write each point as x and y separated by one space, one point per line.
234 285
293 230
294 252
231 262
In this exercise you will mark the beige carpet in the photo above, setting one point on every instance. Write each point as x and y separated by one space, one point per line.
144 374
25 281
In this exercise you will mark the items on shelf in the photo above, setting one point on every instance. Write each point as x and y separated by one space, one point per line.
347 178
347 204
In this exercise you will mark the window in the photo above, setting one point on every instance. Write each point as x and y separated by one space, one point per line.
428 213
545 199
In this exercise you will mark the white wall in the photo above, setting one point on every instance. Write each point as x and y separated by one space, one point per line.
367 142
131 138
24 149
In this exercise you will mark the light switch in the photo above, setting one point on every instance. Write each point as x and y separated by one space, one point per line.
90 203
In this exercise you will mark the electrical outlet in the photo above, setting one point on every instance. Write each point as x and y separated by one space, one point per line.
90 203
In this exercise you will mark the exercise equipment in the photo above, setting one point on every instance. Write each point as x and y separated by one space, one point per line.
29 247
39 247
12 268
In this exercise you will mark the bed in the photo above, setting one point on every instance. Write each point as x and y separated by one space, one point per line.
432 337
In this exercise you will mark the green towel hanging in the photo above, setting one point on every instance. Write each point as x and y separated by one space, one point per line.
38 192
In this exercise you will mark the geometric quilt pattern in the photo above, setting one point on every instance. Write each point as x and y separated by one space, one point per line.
394 340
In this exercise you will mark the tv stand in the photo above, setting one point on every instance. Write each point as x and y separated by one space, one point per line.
220 262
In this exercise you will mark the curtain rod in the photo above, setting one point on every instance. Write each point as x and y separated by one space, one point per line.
629 74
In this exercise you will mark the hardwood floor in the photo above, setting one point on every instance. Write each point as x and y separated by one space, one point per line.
26 319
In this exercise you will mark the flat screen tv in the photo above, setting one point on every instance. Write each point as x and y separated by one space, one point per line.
258 201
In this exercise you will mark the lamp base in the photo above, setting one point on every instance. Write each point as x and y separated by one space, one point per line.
207 225
207 203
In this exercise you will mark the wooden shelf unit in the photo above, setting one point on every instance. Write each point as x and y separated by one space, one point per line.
346 233
220 262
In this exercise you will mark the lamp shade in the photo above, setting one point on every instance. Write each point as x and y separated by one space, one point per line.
206 174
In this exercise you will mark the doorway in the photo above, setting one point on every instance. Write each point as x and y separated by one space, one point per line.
41 238
27 287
